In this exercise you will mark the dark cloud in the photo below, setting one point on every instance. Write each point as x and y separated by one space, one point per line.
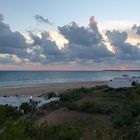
123 50
43 46
93 53
85 43
117 38
86 46
136 28
11 42
41 19
81 35
42 50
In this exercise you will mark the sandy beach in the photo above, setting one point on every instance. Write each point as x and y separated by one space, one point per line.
36 90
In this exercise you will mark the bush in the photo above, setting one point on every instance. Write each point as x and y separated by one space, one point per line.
137 90
25 130
74 94
8 112
128 111
69 97
122 119
91 107
51 106
51 94
72 106
16 131
26 107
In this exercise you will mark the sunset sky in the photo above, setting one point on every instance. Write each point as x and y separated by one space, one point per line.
69 34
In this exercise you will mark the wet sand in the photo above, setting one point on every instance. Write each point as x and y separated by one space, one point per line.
36 90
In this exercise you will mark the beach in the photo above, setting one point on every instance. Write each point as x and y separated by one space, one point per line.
39 89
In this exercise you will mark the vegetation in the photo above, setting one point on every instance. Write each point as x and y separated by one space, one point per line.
122 105
74 94
26 107
91 107
51 94
123 114
8 113
51 106
128 111
25 130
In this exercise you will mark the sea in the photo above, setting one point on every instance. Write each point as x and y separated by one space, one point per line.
25 78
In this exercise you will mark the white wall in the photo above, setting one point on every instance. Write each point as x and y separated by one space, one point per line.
123 82
119 83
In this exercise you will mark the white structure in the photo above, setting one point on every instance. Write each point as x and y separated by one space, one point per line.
125 81
17 101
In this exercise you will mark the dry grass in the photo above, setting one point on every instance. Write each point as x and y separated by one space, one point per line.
63 115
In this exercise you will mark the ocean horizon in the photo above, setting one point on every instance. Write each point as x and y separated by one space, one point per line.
19 78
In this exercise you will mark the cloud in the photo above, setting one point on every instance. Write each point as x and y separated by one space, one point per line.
85 46
123 50
41 49
45 48
81 35
136 28
9 59
11 42
85 43
133 38
58 38
41 19
117 38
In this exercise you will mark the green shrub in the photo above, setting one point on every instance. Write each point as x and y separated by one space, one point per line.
51 94
16 131
8 112
51 106
72 106
26 107
25 130
91 107
74 94
122 116
137 90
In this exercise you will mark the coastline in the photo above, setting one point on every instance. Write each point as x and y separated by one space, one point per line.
39 89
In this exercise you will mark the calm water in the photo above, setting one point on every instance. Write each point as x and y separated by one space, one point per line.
38 77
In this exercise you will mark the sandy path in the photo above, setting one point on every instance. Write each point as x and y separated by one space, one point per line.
45 88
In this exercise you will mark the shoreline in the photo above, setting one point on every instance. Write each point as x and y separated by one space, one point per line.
50 83
39 89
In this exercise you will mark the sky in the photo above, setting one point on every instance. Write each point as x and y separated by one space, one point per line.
69 34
